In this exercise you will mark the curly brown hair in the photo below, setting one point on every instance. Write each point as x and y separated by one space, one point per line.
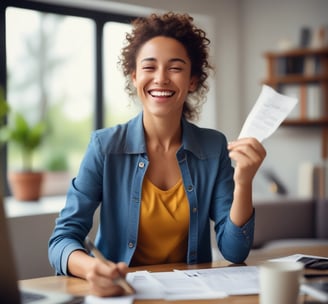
181 28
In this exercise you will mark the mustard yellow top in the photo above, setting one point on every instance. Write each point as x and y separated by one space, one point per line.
163 226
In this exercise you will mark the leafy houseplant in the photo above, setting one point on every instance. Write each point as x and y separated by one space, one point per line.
28 138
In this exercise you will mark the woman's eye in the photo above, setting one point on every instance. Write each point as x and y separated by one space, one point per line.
175 68
148 68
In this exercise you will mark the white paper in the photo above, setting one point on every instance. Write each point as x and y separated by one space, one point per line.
169 286
235 280
212 283
269 111
145 285
178 286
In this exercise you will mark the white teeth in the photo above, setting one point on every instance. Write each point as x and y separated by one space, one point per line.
161 93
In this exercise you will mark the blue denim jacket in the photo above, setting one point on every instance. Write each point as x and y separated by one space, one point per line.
111 174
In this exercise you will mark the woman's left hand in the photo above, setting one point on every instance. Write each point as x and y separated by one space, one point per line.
248 154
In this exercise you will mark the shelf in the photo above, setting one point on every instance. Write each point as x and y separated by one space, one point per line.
297 52
306 122
46 205
307 71
295 78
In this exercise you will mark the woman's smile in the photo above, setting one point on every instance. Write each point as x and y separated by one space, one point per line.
161 93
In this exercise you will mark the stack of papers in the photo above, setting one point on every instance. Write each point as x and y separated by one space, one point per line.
211 283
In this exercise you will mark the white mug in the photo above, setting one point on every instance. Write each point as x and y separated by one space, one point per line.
280 282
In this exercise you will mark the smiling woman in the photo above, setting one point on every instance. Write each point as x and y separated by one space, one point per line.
158 178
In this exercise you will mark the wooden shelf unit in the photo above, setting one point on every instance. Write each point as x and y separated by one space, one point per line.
302 68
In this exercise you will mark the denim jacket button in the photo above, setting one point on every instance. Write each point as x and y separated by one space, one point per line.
131 245
141 164
194 210
190 188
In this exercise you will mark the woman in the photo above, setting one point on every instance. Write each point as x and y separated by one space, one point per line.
159 178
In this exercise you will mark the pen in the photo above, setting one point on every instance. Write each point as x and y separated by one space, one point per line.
119 281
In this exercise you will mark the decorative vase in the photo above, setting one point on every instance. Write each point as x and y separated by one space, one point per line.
26 186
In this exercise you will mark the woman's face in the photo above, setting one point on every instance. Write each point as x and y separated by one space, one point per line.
163 76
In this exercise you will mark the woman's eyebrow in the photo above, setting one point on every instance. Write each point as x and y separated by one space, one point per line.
148 59
178 59
171 60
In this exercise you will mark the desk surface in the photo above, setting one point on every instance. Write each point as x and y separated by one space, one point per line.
78 286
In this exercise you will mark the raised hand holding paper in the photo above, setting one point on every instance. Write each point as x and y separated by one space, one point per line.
269 111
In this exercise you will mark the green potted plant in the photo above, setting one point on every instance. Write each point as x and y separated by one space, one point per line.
25 184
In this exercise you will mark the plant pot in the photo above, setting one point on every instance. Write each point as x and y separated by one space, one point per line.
26 186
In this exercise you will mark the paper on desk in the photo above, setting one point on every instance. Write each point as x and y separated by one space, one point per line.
235 280
269 111
211 283
170 286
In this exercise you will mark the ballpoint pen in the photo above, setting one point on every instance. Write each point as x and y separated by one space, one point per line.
119 281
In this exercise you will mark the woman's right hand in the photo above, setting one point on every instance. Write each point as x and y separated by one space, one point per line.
100 275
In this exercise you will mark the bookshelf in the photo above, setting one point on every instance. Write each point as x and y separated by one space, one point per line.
302 73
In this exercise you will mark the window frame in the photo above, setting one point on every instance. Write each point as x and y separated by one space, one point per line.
99 17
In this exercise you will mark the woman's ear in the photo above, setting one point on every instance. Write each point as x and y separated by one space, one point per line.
133 78
193 84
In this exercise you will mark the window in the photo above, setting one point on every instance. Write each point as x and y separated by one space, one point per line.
54 67
118 106
51 78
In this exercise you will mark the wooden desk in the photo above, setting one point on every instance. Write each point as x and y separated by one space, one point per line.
79 287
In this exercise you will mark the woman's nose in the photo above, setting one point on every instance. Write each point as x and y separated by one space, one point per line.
161 77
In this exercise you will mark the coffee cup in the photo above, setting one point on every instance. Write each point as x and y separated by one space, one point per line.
280 282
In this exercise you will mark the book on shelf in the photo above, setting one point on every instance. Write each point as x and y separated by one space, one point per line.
306 180
320 181
305 37
292 90
324 35
312 65
289 65
313 108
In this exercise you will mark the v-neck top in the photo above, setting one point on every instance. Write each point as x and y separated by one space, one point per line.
163 225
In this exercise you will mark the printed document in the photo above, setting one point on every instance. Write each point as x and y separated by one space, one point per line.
194 284
269 111
211 283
